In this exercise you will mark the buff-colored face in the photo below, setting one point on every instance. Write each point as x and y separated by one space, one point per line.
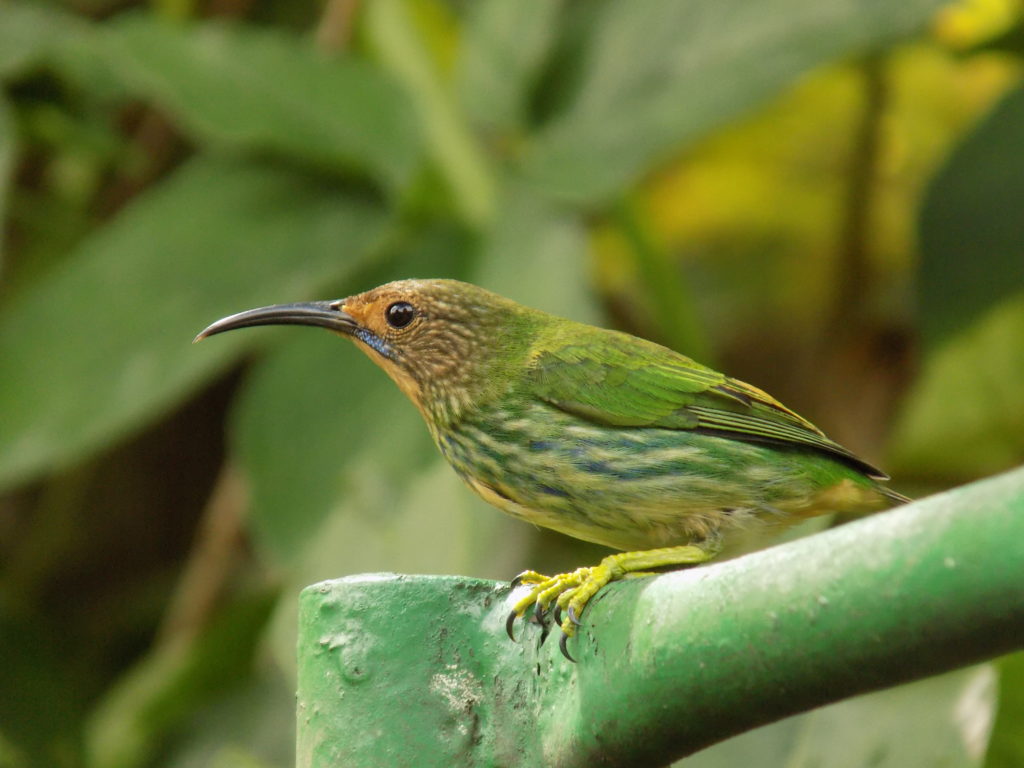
392 322
394 313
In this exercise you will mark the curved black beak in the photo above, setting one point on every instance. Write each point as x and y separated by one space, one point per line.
325 314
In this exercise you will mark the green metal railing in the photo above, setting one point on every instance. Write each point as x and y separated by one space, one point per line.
417 670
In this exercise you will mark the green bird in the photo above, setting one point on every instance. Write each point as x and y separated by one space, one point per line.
591 432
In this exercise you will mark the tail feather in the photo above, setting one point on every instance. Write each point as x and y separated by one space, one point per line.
896 498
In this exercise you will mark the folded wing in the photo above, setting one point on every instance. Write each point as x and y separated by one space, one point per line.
617 380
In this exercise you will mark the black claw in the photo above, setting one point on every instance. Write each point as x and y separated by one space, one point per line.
573 617
544 632
562 647
516 581
558 614
540 613
510 626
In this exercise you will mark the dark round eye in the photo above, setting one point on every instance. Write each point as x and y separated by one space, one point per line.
400 314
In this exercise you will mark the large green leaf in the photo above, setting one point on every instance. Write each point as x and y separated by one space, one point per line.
537 254
498 69
657 74
971 227
310 415
244 88
101 344
964 418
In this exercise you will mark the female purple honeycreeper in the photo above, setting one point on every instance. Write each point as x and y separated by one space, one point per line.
594 433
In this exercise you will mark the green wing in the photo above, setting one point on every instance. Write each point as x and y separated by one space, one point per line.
617 380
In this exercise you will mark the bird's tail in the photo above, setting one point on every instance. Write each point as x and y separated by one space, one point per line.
842 517
893 496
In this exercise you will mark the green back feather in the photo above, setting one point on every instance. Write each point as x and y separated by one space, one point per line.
613 379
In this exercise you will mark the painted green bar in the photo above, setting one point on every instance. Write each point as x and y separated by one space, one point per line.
417 670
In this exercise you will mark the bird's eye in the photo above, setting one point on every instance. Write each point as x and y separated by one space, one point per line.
399 314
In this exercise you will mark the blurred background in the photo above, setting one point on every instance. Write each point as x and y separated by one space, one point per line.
823 198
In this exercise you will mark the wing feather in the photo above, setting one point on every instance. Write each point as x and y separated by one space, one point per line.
613 379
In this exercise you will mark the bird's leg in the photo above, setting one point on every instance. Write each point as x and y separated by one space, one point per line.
571 592
624 565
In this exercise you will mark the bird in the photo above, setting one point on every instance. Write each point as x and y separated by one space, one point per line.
591 432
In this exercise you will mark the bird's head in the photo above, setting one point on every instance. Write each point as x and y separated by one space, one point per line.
441 341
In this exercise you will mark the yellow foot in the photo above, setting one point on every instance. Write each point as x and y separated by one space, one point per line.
570 592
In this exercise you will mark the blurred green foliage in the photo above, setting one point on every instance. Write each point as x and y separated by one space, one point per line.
854 245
